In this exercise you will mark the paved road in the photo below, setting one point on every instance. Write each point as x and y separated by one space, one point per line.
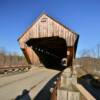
30 82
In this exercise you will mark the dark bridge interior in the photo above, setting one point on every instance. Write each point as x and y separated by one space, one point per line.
50 51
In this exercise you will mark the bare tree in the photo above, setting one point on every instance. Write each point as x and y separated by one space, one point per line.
98 50
11 59
2 56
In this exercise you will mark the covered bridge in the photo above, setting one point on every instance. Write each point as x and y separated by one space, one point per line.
48 42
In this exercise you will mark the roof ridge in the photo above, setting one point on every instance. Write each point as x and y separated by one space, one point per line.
43 13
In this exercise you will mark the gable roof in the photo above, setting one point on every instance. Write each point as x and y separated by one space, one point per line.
50 18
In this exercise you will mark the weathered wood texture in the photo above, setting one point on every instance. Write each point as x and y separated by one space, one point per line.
46 26
30 55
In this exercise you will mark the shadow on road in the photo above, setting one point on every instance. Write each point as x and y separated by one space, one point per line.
23 96
87 82
45 93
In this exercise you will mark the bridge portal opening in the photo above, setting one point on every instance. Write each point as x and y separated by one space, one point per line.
50 50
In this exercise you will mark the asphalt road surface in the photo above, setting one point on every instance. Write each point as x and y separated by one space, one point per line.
31 83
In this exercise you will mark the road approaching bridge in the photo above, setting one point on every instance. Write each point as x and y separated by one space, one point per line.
31 82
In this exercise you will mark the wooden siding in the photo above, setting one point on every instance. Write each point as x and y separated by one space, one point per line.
31 56
70 56
46 27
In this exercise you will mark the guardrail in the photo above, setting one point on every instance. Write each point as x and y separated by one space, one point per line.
14 68
67 88
54 92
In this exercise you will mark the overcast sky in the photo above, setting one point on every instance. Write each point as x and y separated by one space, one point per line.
82 16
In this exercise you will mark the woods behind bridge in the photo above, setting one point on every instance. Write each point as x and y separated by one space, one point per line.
11 59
